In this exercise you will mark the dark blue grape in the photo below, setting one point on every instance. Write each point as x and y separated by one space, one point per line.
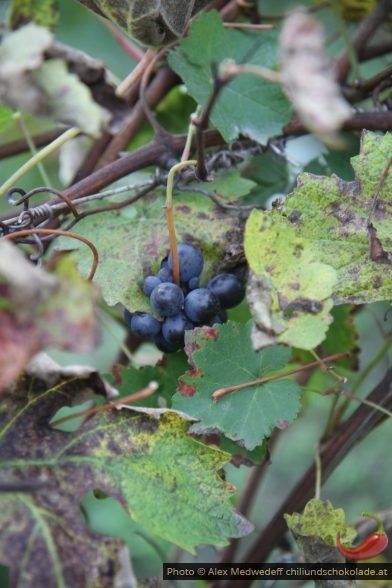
145 325
174 327
167 299
229 289
193 283
165 274
164 345
201 305
190 260
128 317
149 284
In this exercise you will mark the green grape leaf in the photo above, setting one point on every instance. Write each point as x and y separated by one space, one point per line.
39 309
322 519
42 12
223 356
330 244
247 106
132 243
167 481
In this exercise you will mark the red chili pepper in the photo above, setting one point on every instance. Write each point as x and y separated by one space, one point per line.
370 547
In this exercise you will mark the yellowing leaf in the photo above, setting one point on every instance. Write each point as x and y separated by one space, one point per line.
330 244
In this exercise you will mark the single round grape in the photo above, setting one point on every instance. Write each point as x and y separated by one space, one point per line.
149 284
174 327
229 289
165 274
144 324
164 345
190 261
201 305
167 299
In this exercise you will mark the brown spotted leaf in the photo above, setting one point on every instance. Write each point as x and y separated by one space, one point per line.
330 244
166 480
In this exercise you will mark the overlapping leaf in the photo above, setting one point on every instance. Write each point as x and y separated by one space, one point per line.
252 107
329 245
223 356
169 482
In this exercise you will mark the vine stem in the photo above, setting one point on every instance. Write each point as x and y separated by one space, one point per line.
37 157
170 215
52 232
218 394
374 405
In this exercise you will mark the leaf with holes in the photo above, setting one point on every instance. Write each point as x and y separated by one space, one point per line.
330 244
223 356
248 105
132 242
143 459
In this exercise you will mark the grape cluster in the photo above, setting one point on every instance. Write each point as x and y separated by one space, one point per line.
181 308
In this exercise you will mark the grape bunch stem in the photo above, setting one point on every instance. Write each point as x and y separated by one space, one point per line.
170 216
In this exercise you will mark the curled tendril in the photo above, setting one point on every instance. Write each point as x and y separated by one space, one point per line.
25 197
53 233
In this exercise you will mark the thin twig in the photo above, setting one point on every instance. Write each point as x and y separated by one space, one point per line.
140 395
218 394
